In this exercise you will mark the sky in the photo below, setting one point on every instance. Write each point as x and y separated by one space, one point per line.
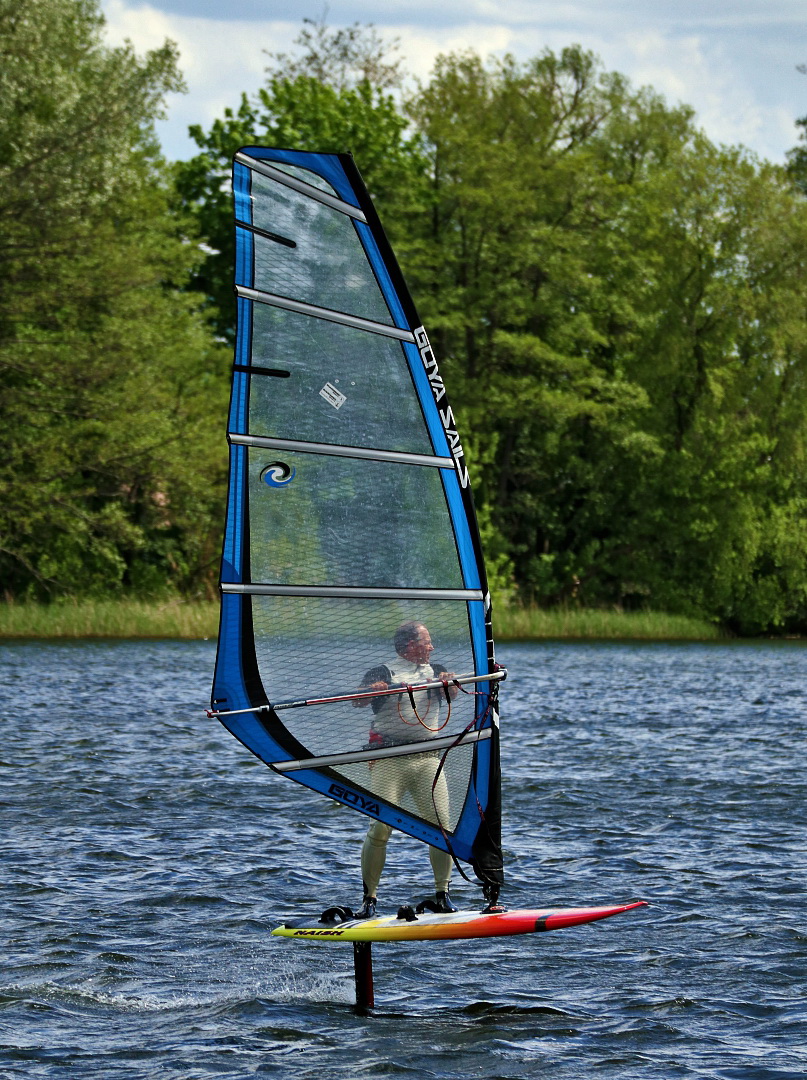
734 61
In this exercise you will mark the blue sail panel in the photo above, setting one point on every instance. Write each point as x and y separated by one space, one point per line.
350 528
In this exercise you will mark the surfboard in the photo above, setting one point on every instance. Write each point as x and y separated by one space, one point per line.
460 924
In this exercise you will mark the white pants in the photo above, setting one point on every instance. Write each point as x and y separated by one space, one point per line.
392 779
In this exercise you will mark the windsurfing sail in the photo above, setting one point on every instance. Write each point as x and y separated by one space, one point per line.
349 515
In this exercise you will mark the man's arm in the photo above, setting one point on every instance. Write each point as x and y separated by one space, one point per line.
377 678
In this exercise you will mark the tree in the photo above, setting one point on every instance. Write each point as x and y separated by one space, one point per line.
797 157
343 58
620 305
711 524
108 473
528 287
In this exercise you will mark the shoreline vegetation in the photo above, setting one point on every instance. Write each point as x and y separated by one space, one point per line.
176 619
635 435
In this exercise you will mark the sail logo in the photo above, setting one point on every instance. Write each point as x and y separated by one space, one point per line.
446 413
354 799
332 395
277 474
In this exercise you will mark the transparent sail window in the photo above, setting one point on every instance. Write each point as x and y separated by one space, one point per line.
301 173
408 782
327 267
313 647
321 520
346 386
309 647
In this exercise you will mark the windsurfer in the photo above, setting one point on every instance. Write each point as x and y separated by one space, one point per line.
400 719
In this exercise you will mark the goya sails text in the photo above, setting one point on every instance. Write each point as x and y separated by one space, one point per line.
349 515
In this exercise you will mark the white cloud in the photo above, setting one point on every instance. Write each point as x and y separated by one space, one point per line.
735 68
420 47
219 60
701 71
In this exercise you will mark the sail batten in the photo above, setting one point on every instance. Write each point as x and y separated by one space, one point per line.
276 237
348 591
349 523
312 192
386 752
329 314
371 454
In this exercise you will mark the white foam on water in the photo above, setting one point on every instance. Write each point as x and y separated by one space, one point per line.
305 979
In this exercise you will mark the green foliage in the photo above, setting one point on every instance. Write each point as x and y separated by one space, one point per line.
125 617
723 360
108 475
617 303
620 308
518 623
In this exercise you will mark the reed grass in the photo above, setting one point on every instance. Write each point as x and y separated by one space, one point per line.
513 623
118 618
178 619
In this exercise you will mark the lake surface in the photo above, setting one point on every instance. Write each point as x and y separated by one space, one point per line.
146 855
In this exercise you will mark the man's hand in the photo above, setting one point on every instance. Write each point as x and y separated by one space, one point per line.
375 687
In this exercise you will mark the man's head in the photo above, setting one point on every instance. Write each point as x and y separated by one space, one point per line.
413 642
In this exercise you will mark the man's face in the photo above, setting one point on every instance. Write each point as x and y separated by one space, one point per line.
420 648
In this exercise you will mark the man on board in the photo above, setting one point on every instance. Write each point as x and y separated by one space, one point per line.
395 721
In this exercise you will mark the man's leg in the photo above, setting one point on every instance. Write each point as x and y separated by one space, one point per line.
431 797
441 867
373 857
387 781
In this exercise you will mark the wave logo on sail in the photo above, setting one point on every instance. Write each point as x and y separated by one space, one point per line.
446 414
277 474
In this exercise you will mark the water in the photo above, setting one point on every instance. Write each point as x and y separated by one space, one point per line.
145 855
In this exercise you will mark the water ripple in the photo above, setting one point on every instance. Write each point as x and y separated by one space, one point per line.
146 855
